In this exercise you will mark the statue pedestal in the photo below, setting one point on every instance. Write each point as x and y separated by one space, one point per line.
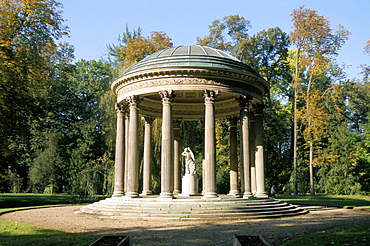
189 185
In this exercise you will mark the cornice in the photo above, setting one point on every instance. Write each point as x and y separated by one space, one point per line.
203 76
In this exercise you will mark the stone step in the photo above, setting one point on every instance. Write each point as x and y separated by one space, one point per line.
223 216
186 206
189 209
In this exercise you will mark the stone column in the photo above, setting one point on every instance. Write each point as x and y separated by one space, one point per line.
260 156
147 156
233 157
132 178
127 130
252 152
167 145
209 145
119 164
176 157
245 147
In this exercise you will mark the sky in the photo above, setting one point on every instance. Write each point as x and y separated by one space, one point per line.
94 24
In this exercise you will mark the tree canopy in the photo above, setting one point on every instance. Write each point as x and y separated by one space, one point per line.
57 119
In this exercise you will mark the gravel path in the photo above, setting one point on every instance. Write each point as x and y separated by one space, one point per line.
275 231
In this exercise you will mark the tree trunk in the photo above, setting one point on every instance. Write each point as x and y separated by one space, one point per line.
295 184
312 187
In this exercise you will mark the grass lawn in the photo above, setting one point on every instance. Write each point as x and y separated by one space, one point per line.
14 233
15 200
343 201
354 234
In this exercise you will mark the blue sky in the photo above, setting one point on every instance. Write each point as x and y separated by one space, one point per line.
96 23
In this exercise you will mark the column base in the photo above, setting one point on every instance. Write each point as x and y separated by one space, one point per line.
146 193
247 195
262 195
132 195
233 193
176 192
118 194
166 195
209 195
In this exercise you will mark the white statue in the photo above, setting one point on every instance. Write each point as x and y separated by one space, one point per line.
189 161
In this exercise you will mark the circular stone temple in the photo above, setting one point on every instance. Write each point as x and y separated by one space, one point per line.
189 71
180 84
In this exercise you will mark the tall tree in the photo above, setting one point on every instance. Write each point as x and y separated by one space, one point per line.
226 34
267 53
316 46
29 36
133 47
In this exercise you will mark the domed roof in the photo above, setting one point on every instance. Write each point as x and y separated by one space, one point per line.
195 56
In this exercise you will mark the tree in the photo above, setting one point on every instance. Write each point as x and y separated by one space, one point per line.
226 34
316 46
267 53
29 36
133 47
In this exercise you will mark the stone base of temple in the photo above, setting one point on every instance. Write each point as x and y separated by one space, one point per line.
189 208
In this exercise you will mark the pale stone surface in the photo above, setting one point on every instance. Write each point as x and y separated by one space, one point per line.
189 185
119 164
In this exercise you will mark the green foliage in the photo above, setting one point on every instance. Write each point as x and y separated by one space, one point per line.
267 52
30 59
222 156
226 34
48 165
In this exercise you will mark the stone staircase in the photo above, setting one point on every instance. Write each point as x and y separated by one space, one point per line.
192 208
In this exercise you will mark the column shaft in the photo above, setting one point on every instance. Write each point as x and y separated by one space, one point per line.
133 150
233 158
167 145
176 157
253 153
260 159
119 164
210 146
245 145
127 131
147 156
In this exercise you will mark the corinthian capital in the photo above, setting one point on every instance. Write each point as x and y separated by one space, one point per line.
133 100
244 101
120 108
167 96
210 96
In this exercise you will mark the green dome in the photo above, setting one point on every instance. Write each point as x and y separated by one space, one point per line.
195 56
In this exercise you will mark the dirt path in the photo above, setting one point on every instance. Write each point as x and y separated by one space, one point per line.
172 233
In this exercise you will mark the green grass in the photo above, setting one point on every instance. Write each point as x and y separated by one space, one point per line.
14 200
354 234
14 233
348 201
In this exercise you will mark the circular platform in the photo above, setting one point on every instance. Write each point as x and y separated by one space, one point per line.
189 208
